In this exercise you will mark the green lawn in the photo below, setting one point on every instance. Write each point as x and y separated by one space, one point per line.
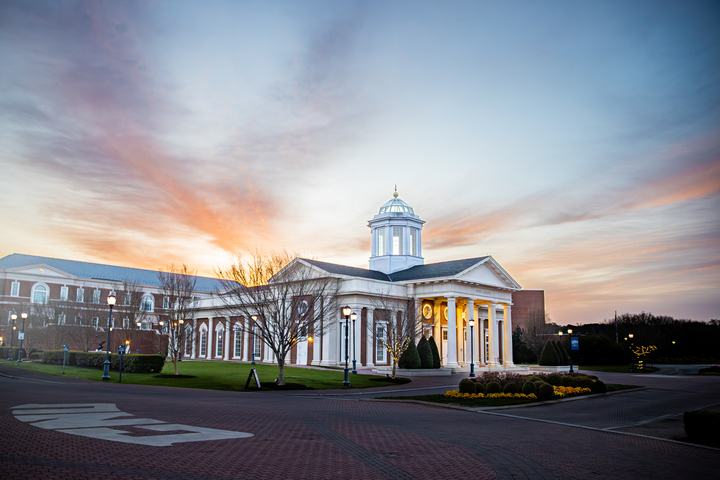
617 368
215 376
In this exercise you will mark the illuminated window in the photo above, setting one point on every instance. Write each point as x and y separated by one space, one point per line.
39 294
79 295
15 290
397 248
64 294
219 344
381 241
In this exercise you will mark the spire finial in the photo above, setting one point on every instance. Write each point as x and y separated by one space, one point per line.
396 193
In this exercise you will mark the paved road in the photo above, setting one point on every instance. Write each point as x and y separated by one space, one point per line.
341 436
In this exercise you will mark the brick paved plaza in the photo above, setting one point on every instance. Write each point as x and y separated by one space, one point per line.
303 436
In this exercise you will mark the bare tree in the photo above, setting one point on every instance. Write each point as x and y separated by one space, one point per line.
177 283
129 310
403 322
283 296
537 327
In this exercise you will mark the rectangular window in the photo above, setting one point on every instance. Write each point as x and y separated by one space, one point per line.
61 319
444 335
219 345
380 343
64 294
126 323
397 240
381 241
188 341
15 289
79 295
414 242
203 343
238 343
166 302
94 322
257 344
127 299
96 296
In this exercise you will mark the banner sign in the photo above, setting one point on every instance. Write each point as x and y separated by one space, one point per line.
574 343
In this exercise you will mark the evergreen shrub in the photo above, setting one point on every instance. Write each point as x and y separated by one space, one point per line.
554 379
55 357
548 357
410 359
598 386
546 391
479 387
425 352
510 388
493 387
435 352
467 386
529 388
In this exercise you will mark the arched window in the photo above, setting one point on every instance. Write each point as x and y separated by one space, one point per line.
39 293
188 340
148 303
219 340
203 343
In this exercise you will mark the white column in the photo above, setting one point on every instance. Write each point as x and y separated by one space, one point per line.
210 341
451 355
246 338
317 332
507 321
194 339
228 336
418 318
470 317
370 336
330 323
356 338
481 333
493 332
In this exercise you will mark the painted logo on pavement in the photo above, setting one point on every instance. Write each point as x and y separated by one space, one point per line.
95 420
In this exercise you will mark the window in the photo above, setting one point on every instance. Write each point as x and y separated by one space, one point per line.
414 242
126 323
39 294
238 343
380 343
64 294
166 302
188 340
94 322
303 308
203 342
15 290
127 299
397 248
148 303
219 344
96 296
381 241
257 343
79 295
444 336
61 319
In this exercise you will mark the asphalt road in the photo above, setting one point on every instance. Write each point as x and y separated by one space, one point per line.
98 430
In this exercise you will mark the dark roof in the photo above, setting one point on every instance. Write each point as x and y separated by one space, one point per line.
98 271
432 270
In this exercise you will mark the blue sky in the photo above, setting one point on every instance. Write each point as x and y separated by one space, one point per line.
576 142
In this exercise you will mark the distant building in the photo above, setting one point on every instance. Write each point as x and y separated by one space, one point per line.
526 302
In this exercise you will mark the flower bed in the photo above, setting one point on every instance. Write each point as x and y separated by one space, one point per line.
570 391
475 396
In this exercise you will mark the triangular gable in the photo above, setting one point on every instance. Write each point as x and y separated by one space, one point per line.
299 263
42 270
488 272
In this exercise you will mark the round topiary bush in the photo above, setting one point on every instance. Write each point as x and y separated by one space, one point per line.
554 379
493 387
466 386
568 381
479 387
598 386
528 388
510 388
546 391
538 383
583 383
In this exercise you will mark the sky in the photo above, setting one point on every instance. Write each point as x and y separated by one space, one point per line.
578 143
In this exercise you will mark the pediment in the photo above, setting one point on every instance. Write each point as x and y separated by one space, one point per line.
298 269
41 270
490 273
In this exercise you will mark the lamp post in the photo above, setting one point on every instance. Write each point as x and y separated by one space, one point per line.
570 352
353 316
12 335
472 349
254 332
21 336
106 365
346 311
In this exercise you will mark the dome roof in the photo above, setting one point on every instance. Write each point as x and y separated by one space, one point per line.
396 206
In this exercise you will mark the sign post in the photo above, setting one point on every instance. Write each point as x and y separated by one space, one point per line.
65 351
121 351
574 345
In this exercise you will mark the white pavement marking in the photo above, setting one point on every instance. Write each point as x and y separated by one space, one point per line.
94 419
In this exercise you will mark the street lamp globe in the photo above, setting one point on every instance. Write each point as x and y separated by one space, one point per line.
346 311
111 299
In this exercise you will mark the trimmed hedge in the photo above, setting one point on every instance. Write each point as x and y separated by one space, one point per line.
546 391
529 388
493 387
5 352
132 363
435 352
702 426
562 353
510 388
467 386
410 359
549 357
425 352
